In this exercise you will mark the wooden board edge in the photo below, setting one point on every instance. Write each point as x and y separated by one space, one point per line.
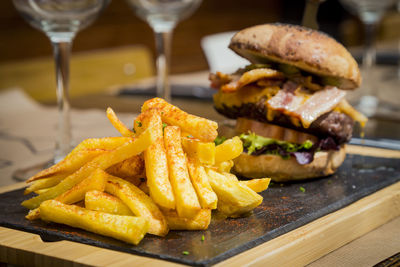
316 239
26 249
372 151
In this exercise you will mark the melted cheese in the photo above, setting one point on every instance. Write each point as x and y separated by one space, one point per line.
346 108
248 94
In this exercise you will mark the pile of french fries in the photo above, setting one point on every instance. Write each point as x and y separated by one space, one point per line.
164 174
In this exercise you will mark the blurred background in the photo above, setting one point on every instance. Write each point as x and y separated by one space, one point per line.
118 27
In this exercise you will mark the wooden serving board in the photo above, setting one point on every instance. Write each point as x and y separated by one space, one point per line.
291 227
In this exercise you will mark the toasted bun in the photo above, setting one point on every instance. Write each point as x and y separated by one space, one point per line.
306 49
280 170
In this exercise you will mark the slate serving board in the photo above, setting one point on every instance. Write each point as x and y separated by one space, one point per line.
285 208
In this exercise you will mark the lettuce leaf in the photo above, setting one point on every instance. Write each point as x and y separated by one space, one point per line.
253 142
303 153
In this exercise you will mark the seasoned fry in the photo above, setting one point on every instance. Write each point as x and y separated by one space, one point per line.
68 166
155 159
228 150
41 191
199 222
187 204
224 166
139 203
257 185
44 183
203 129
119 125
132 147
234 199
127 228
96 181
199 178
202 151
33 214
100 201
131 169
84 152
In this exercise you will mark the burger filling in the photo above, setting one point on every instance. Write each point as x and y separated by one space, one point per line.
303 153
307 105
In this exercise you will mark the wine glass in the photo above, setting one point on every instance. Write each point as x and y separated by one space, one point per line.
60 20
370 12
163 16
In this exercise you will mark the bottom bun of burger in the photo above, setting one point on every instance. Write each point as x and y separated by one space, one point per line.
280 170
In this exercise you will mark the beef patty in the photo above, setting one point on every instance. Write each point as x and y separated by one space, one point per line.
333 124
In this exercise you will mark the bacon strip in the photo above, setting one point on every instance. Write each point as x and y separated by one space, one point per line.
250 77
305 106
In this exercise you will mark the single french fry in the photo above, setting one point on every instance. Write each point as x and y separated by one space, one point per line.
33 214
96 181
119 125
202 151
187 203
41 191
155 159
131 148
228 150
131 169
257 185
199 178
44 183
203 129
101 201
224 166
139 203
200 221
81 154
234 199
126 228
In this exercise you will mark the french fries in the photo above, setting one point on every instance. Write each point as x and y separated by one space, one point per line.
224 166
127 228
96 181
234 199
101 201
124 131
139 203
200 128
187 203
199 178
84 152
257 185
103 161
165 174
131 169
155 158
199 222
44 183
228 150
202 151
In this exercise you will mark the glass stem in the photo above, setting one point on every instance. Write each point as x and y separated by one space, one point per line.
62 50
369 57
163 47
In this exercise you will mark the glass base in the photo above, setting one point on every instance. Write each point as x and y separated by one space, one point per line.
21 175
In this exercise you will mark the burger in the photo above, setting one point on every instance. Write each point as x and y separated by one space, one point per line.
289 102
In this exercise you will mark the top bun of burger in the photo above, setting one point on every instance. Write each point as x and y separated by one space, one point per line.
289 104
304 48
